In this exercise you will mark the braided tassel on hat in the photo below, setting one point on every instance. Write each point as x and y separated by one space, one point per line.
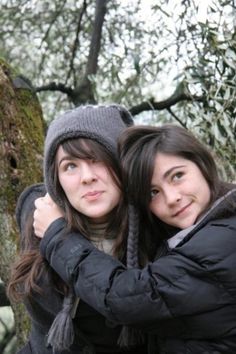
130 336
61 334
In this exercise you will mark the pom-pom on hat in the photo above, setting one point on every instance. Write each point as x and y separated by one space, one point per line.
101 123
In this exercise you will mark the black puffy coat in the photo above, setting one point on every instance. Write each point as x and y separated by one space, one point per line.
186 299
94 334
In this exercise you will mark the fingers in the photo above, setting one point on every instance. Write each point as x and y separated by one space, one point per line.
46 211
40 202
48 199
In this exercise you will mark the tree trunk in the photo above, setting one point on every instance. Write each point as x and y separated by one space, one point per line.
21 147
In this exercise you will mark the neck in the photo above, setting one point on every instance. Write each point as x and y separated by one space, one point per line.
97 230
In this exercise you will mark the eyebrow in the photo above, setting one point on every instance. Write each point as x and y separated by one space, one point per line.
66 158
168 172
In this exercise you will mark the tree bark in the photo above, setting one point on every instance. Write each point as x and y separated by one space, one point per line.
21 147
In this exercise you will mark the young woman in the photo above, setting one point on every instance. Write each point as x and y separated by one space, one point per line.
186 298
82 175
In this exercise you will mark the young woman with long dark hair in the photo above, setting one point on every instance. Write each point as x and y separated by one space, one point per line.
186 298
82 175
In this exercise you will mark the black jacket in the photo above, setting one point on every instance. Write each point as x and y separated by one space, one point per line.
187 299
94 334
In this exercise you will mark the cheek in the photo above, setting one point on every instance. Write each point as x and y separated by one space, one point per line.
62 181
114 192
103 174
206 196
156 209
67 183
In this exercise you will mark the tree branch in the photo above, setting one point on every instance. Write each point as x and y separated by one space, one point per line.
176 118
46 35
83 92
55 87
76 42
96 37
178 96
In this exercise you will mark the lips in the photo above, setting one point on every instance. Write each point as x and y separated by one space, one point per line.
180 211
92 195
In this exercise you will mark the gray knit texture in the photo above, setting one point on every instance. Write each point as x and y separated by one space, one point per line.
61 334
103 124
25 203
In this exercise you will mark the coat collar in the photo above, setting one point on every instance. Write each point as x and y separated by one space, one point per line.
220 208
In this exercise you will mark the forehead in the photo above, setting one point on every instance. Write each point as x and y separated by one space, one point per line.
165 163
81 148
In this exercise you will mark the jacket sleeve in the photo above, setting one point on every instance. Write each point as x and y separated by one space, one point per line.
175 285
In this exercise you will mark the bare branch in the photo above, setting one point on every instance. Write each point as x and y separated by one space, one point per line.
76 42
55 87
96 37
56 15
152 105
176 118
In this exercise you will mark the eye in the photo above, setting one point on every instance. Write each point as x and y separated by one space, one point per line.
69 166
177 176
154 192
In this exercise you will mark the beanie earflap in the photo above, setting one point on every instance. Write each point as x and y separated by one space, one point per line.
130 336
61 334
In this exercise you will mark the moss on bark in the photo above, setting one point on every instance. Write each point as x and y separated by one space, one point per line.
21 147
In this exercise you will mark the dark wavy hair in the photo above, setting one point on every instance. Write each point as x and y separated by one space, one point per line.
138 147
31 266
117 223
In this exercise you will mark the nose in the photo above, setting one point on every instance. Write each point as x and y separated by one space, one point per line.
172 195
87 172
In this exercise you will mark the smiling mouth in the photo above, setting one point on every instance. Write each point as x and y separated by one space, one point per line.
182 210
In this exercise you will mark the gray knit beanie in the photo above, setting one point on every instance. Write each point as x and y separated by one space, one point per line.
102 123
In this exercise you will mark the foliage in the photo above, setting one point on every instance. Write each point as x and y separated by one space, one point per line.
167 61
148 54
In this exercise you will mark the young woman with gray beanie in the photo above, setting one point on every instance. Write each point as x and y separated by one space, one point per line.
82 175
186 298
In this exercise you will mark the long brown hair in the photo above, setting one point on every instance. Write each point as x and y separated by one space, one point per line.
138 147
31 266
117 223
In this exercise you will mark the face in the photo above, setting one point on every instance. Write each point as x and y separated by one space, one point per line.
88 185
179 192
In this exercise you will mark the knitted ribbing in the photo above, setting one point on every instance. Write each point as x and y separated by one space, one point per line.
130 336
132 242
103 124
61 333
